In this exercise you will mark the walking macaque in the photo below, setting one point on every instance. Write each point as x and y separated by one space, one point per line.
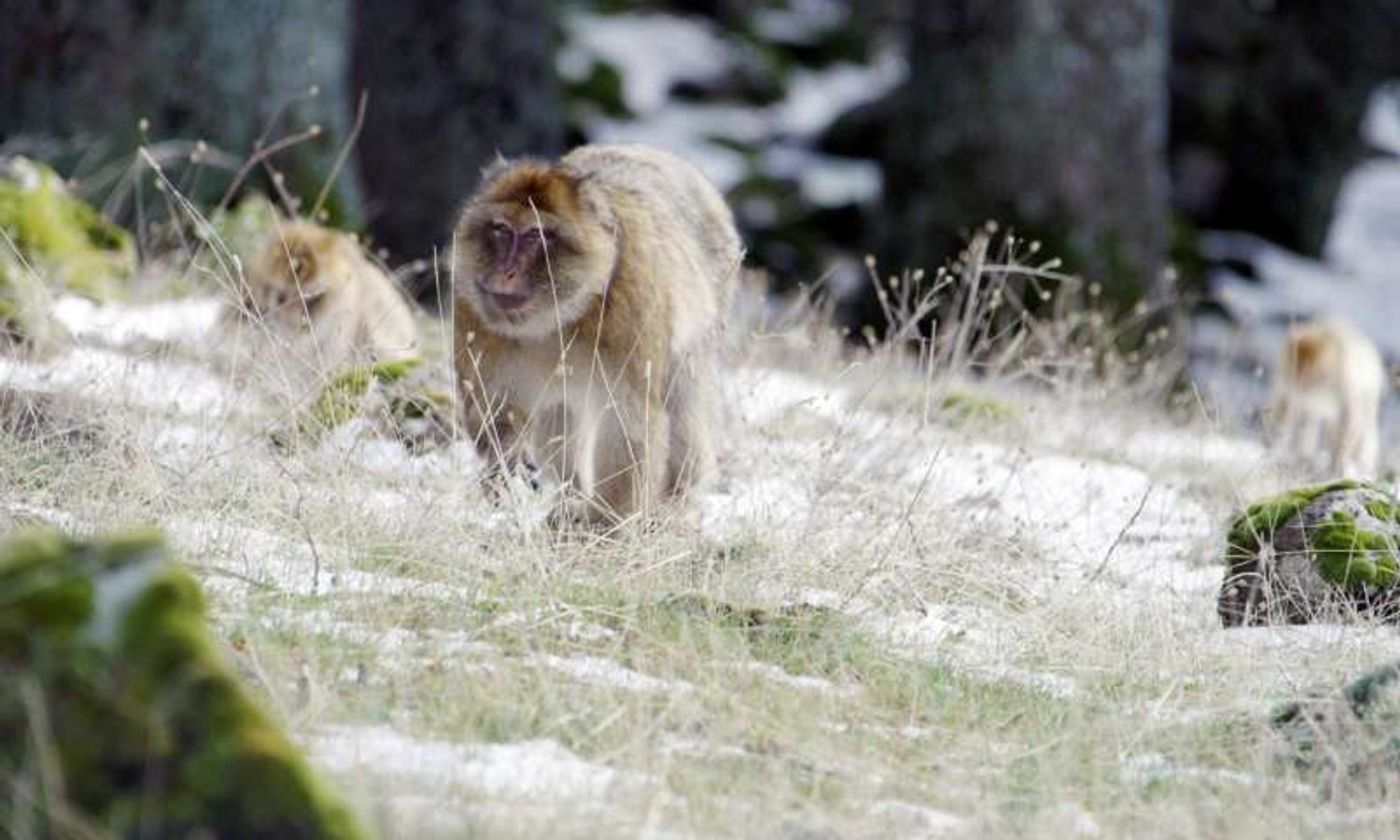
1327 391
318 285
589 299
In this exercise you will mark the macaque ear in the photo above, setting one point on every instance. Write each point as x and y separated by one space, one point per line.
303 270
493 169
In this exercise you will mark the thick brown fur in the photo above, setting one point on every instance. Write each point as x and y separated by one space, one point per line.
1327 393
589 298
316 285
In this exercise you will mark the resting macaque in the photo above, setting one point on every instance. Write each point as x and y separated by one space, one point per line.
316 285
1327 393
589 299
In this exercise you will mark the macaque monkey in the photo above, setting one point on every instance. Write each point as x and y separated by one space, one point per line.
1327 392
317 285
589 296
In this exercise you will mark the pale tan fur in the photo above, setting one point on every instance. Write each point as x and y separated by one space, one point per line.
607 376
1327 393
316 286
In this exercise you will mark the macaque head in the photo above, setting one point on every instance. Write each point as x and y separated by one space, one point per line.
1304 352
535 247
295 268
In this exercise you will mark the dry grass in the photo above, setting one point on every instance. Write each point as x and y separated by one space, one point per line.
962 586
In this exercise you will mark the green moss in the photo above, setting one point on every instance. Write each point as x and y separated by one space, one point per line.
964 407
1261 518
145 726
1349 556
60 235
420 406
339 401
1383 509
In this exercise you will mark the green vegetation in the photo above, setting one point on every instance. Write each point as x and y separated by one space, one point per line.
119 715
1261 518
60 236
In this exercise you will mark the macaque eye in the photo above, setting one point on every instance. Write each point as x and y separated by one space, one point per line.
500 233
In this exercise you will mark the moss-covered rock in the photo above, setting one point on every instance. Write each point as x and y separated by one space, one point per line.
397 398
117 713
1325 551
60 236
1354 735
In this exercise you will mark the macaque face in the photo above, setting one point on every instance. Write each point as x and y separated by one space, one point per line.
291 279
518 269
529 260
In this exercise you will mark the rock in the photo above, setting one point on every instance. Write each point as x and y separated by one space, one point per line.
1316 553
50 239
117 713
1354 735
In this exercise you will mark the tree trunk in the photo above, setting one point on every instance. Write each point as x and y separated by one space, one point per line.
1048 115
77 79
1267 103
450 85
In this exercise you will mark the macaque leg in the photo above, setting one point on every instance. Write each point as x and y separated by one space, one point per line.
554 438
494 429
691 404
1285 428
1356 447
1309 436
630 466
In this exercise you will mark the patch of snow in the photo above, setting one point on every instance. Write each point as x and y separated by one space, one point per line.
678 128
605 673
110 376
910 820
800 682
752 503
60 519
799 21
816 98
290 565
971 641
1149 768
1364 237
763 395
542 769
825 180
1381 125
652 52
116 324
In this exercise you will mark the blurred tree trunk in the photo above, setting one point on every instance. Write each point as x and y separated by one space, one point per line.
1267 104
1048 115
77 77
450 85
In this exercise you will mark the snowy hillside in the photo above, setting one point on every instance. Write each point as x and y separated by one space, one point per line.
887 618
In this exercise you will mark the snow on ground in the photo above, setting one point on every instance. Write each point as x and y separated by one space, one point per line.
604 673
541 769
178 321
1116 526
110 376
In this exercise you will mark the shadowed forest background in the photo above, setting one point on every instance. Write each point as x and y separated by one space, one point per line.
1113 131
